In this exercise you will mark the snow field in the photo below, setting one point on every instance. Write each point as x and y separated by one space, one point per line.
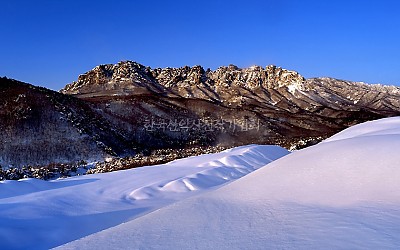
340 194
46 214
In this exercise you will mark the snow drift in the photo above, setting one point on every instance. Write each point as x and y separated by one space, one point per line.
36 214
340 194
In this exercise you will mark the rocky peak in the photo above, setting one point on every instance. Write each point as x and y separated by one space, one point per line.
278 77
233 86
255 77
179 77
129 70
125 75
175 79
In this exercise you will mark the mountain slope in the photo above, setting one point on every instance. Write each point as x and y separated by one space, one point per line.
340 194
40 126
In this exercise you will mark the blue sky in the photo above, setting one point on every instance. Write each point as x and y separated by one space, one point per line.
49 43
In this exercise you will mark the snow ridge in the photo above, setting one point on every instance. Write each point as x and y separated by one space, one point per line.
222 170
53 213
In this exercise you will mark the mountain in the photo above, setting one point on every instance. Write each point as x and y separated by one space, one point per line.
230 106
127 108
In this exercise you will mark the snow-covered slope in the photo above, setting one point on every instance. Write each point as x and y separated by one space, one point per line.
340 194
388 126
36 214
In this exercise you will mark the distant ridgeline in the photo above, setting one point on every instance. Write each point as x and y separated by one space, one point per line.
124 109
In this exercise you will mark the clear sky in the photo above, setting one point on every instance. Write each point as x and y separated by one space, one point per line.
49 43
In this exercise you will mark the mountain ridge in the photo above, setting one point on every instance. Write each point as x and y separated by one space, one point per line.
128 108
227 85
286 106
123 71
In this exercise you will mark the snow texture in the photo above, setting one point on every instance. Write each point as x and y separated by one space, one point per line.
36 214
340 194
